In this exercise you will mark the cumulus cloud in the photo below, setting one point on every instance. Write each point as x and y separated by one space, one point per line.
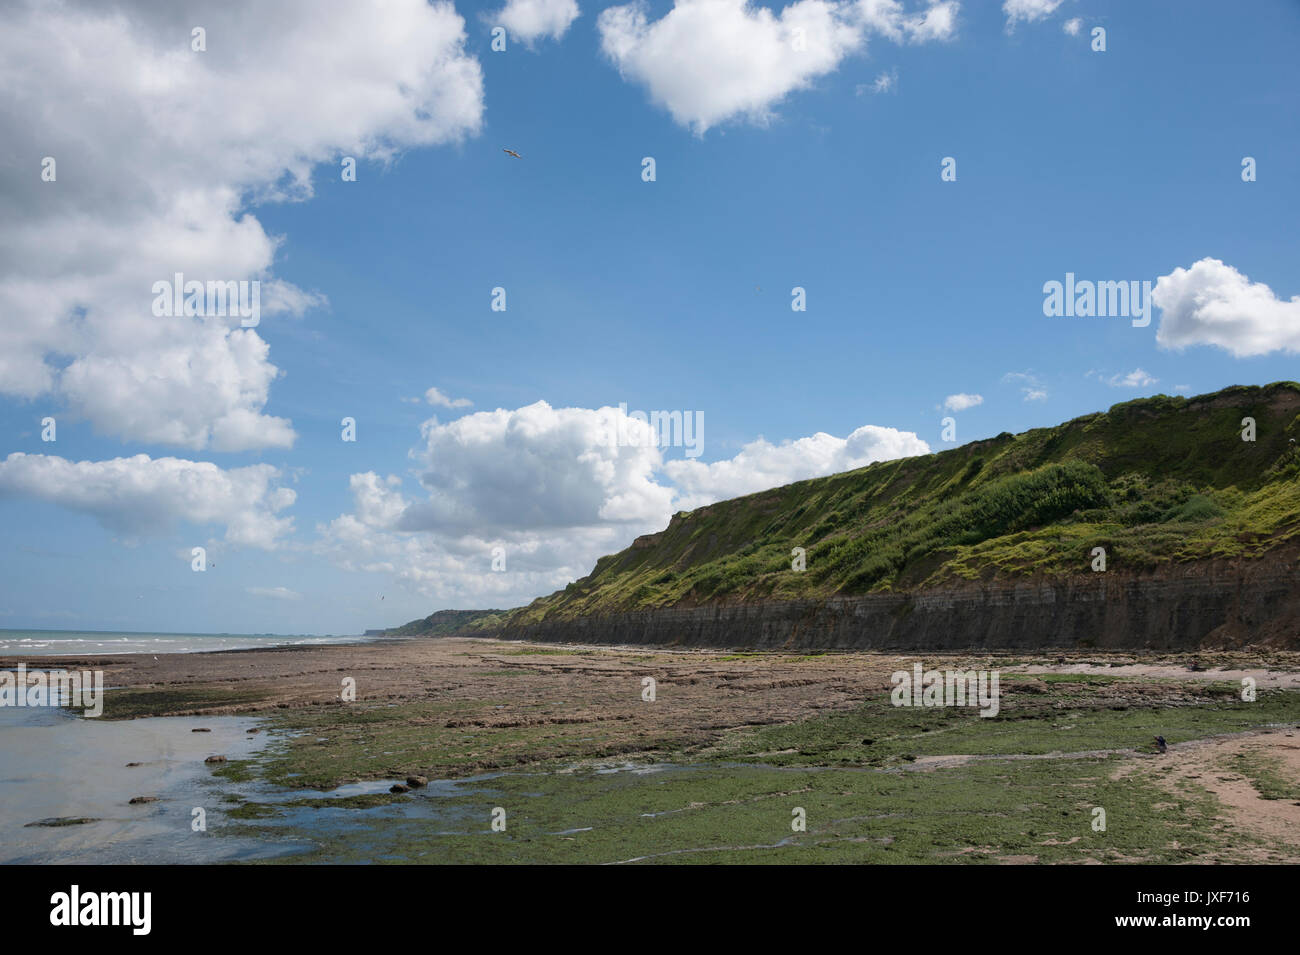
537 467
706 61
710 61
162 182
435 397
1029 11
1213 304
533 20
142 495
553 489
1072 26
960 402
548 489
761 464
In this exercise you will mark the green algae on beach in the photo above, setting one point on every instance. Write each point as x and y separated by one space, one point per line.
876 784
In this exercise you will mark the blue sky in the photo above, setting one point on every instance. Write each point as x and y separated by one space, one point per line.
673 294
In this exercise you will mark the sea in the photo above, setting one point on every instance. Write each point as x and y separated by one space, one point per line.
86 642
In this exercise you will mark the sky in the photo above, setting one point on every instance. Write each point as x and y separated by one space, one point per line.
824 234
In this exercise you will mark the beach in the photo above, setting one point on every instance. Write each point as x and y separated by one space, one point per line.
618 754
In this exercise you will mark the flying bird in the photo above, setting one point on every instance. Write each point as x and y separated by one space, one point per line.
511 152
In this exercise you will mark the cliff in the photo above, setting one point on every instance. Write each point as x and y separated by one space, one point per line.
1200 604
992 544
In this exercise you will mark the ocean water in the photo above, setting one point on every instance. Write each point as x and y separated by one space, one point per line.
43 642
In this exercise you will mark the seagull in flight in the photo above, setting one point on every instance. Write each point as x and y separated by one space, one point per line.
511 152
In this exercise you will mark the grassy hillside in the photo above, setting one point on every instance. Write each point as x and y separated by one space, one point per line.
446 622
1155 480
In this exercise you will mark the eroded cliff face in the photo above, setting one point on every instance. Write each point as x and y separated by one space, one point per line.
1209 603
1167 484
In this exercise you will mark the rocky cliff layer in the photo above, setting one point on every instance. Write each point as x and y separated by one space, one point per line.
1184 607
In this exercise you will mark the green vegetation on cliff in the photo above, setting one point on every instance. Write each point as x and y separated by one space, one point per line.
1155 480
446 622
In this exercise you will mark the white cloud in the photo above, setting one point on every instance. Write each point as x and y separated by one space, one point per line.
162 181
143 495
1137 378
532 20
456 569
1031 386
1072 26
761 464
278 593
552 487
1213 304
710 61
435 397
707 61
1029 11
883 83
536 467
960 402
890 20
